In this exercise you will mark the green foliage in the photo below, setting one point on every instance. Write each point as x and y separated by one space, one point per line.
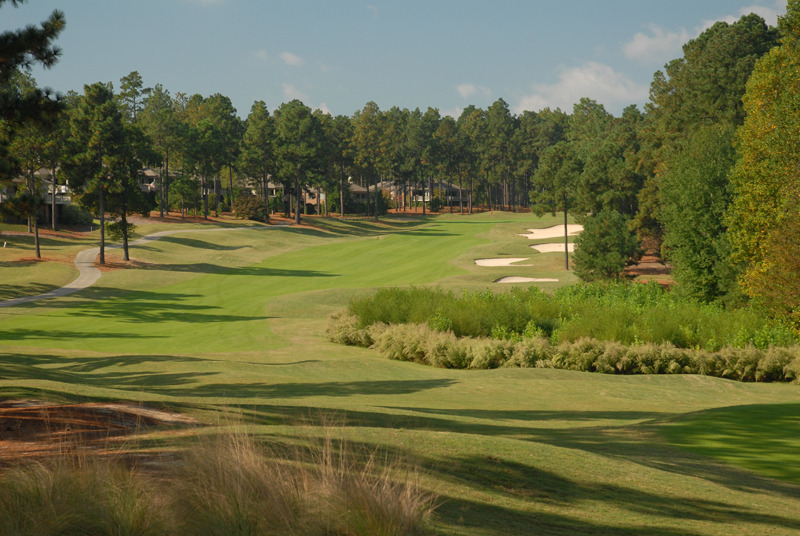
624 312
116 230
251 207
695 194
422 344
73 214
605 247
763 215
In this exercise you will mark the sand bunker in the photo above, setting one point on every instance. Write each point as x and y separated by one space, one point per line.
553 232
550 248
505 261
515 279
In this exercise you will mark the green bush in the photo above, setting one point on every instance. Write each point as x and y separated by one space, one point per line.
604 247
625 312
73 214
423 343
115 230
251 207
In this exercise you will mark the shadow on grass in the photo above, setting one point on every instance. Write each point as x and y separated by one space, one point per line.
201 244
489 518
537 415
635 443
260 271
743 434
136 306
511 480
89 371
9 292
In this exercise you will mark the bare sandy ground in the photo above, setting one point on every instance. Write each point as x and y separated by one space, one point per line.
504 261
553 247
553 232
516 279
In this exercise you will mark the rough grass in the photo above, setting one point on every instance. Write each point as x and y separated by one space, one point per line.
229 484
238 320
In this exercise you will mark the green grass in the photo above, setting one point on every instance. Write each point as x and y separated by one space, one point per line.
232 323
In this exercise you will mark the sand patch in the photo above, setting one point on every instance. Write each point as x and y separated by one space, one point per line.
504 261
553 232
551 248
515 279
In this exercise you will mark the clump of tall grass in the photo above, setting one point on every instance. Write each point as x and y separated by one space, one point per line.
421 343
234 485
69 496
231 485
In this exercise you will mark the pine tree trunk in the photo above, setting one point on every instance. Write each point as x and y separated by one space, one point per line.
297 199
204 183
165 183
341 193
36 237
53 224
566 240
124 222
102 227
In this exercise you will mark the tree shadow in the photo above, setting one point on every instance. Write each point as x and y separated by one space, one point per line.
200 244
9 292
137 306
512 480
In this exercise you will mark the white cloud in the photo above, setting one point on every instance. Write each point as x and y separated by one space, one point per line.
372 9
455 113
324 108
291 92
290 59
657 46
468 90
262 55
593 80
769 14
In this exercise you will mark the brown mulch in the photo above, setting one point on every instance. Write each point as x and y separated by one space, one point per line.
33 429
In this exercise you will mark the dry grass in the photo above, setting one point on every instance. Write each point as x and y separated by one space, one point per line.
225 485
233 485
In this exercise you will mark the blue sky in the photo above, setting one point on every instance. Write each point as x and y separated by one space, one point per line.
337 55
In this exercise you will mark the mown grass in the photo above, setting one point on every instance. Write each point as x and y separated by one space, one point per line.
506 451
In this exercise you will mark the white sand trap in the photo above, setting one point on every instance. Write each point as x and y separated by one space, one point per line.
550 248
505 261
515 279
553 232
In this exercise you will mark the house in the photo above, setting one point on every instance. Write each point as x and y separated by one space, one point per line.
359 193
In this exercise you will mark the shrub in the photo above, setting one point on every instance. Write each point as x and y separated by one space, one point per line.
251 207
343 329
604 247
115 230
73 214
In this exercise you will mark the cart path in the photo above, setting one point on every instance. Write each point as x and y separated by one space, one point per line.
88 273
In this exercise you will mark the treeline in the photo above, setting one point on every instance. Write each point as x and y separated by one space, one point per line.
705 175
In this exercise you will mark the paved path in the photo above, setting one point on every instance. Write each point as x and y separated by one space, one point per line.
88 273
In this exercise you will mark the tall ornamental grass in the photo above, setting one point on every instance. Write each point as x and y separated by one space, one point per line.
624 312
230 485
